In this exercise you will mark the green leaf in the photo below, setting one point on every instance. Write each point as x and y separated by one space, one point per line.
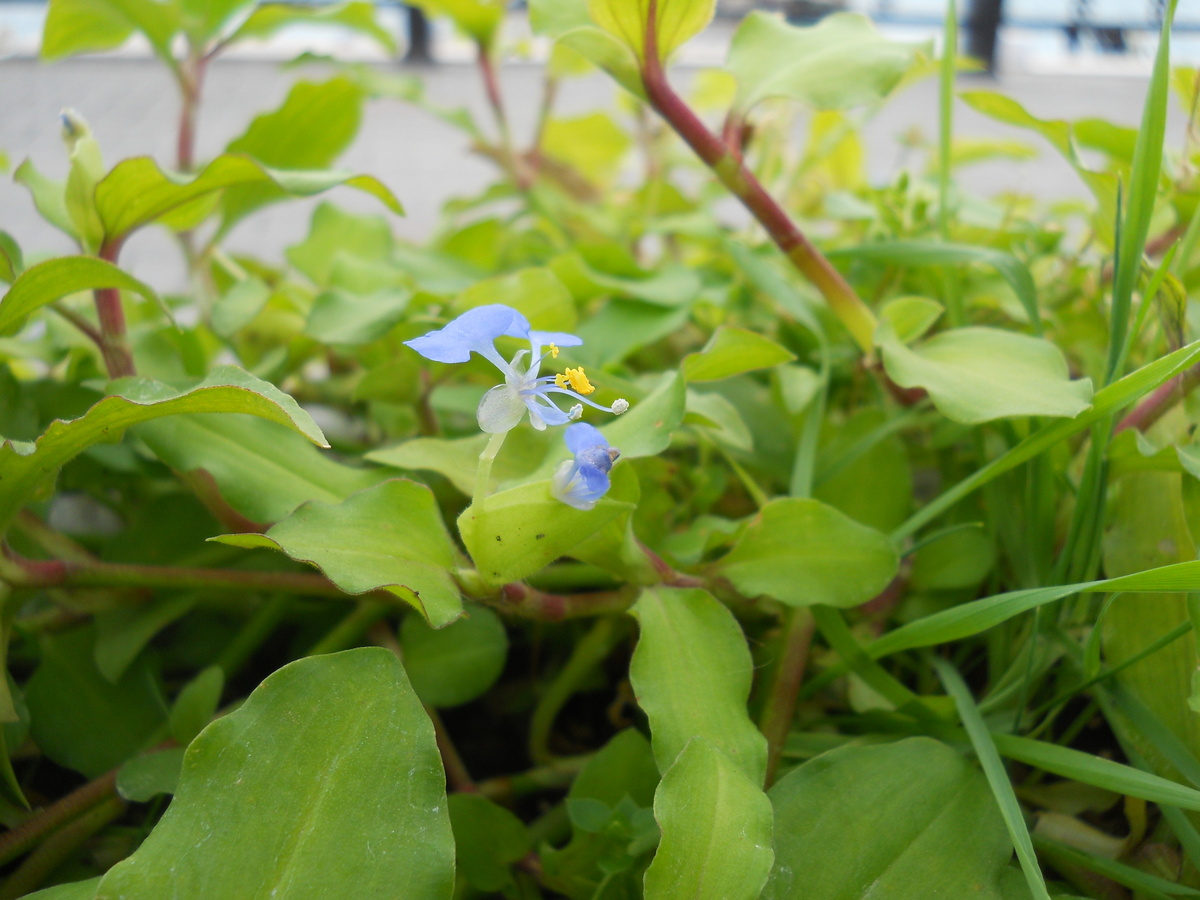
980 615
203 20
624 767
691 673
54 279
30 467
268 18
536 293
336 233
84 26
311 129
645 430
49 197
358 809
838 63
453 665
515 533
944 836
137 191
488 839
802 552
458 459
716 829
388 537
76 890
979 374
145 777
676 22
733 351
81 720
196 705
342 317
262 471
931 253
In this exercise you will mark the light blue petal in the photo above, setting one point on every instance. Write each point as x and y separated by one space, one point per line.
580 435
578 486
558 338
475 331
543 412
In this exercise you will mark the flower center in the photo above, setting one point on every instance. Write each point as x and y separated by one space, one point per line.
576 379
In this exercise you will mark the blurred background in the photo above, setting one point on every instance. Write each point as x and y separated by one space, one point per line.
1060 58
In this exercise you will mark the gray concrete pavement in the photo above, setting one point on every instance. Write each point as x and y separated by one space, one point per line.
132 106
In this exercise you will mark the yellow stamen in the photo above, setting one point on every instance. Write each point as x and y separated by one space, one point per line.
576 380
553 351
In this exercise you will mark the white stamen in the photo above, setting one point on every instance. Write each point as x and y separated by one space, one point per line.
620 406
575 412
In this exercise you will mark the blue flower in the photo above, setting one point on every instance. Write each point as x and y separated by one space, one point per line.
584 480
502 407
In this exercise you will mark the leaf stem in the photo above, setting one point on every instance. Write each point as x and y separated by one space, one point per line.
114 344
30 832
58 847
780 709
741 182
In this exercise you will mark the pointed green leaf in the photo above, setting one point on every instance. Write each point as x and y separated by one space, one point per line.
54 279
802 552
196 705
515 533
691 673
268 18
388 537
145 777
29 467
733 351
137 191
458 459
677 21
944 836
716 829
838 63
83 26
325 783
979 374
49 196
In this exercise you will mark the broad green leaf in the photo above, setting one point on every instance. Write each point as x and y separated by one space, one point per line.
607 52
49 197
83 26
389 536
716 829
592 144
980 615
624 767
931 253
838 63
515 533
802 552
645 430
676 22
488 840
691 673
1107 401
326 782
268 18
261 470
342 317
621 327
137 191
75 890
944 835
479 20
145 777
30 467
196 705
335 233
458 459
910 317
310 129
453 665
239 306
670 286
863 469
203 20
54 279
979 374
536 293
81 720
733 351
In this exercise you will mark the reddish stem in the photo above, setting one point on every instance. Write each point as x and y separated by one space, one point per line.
741 182
114 344
1162 399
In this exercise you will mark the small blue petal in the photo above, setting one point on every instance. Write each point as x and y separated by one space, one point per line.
475 331
581 435
584 480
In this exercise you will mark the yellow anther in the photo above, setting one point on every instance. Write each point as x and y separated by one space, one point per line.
554 351
576 380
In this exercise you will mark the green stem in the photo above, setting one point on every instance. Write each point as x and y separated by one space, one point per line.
483 475
592 650
741 182
59 847
777 715
34 829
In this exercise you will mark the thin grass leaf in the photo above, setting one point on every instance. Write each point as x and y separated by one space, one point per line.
993 769
833 628
1143 190
1152 730
1145 884
1107 401
1096 771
